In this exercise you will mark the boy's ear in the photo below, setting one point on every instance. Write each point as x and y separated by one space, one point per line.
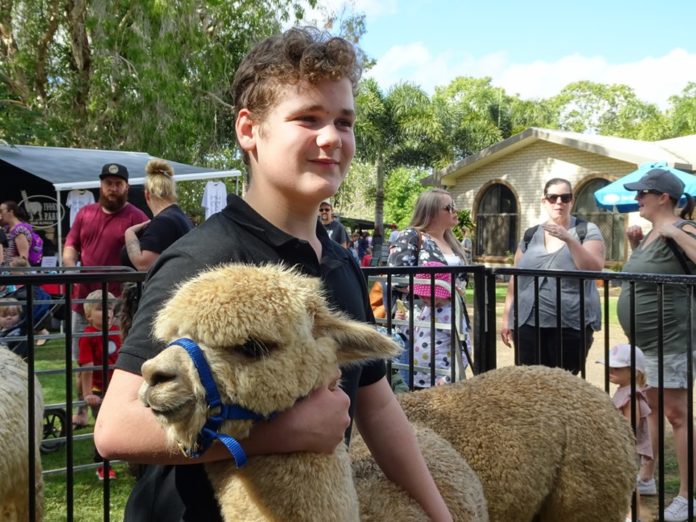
246 130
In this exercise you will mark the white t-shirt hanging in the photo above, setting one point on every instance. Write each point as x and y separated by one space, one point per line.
214 197
78 199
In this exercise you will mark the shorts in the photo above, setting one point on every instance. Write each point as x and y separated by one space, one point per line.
674 370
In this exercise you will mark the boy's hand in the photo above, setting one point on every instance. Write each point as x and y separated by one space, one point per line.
93 400
315 424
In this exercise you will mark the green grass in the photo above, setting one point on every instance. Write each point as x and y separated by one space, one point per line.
87 490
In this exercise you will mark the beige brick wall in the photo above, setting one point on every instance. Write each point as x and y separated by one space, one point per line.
525 172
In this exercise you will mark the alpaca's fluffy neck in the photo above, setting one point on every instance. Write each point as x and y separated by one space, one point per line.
298 487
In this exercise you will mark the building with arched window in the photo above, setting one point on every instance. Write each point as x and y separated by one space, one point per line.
503 184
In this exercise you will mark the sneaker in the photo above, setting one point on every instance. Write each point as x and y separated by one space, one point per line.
678 510
100 473
646 488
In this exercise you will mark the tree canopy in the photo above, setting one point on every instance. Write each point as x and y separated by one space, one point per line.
155 75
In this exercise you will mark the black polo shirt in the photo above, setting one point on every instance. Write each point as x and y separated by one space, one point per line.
237 234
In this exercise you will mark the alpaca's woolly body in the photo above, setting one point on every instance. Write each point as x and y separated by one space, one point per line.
14 460
543 442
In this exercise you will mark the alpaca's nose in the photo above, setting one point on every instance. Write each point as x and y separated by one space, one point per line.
154 375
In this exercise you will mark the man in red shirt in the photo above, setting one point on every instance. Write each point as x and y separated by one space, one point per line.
95 239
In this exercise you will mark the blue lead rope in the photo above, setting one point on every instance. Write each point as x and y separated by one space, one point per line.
209 432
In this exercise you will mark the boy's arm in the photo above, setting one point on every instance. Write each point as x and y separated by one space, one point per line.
126 429
86 386
392 441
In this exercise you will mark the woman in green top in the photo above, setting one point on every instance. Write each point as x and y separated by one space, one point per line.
658 194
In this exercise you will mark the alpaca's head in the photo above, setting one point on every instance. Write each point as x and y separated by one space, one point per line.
269 338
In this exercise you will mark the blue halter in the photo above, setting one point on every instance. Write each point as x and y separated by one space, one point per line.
217 412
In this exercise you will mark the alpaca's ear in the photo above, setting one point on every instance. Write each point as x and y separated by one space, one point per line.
356 341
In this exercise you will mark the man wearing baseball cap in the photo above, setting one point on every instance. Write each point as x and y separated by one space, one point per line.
95 239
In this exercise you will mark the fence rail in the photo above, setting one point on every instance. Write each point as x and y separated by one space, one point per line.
480 287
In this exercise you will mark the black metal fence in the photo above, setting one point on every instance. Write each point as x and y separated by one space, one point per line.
473 292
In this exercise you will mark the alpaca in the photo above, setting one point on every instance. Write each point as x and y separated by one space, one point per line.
14 462
269 339
546 445
457 482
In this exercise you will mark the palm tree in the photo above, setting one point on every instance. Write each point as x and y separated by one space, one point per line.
400 128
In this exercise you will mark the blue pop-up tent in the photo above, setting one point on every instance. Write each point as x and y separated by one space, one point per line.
615 197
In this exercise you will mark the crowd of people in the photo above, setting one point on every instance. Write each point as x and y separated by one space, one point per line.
286 216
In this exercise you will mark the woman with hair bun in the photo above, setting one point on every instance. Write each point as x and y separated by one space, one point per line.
145 242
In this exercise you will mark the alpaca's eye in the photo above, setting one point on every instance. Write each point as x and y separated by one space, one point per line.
256 348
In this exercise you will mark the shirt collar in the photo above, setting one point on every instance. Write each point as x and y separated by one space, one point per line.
243 214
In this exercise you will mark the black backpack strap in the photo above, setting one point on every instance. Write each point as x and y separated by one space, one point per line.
679 255
528 234
580 228
676 249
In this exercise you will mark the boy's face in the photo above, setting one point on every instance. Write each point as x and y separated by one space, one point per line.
303 147
9 318
95 316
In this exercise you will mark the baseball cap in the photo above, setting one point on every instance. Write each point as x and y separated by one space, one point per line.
114 169
620 357
660 180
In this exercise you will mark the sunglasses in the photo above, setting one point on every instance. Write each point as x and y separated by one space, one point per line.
450 208
645 192
324 210
553 198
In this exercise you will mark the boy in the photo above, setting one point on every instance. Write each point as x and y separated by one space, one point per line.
295 111
91 353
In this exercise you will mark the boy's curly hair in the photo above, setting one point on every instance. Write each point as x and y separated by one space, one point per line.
298 54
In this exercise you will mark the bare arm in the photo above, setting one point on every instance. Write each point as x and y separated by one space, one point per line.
70 256
22 245
506 330
391 440
126 429
86 386
686 242
141 259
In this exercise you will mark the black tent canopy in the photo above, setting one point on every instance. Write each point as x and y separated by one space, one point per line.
68 168
42 174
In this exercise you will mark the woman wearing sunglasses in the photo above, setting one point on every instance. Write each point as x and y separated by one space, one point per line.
429 240
669 248
555 245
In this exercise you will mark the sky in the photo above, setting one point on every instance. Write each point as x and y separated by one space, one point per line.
532 48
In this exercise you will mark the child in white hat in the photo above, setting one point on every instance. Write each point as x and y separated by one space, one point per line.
620 374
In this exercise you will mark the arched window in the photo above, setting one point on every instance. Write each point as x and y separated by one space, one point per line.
496 222
612 224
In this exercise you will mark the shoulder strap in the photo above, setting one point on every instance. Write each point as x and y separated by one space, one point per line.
678 252
679 255
528 234
580 228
